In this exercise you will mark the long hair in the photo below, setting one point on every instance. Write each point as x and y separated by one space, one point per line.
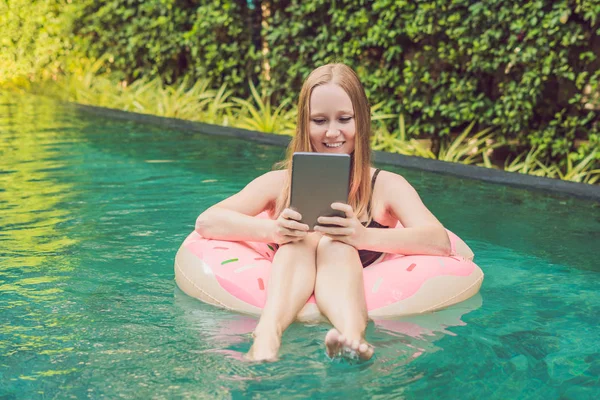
360 164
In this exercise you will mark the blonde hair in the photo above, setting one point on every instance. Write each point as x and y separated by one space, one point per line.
360 165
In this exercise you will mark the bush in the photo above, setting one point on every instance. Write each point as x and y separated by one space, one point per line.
522 67
173 39
529 71
34 39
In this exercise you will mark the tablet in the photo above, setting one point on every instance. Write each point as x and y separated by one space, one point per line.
319 179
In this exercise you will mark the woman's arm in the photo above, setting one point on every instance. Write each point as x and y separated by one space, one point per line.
233 218
422 233
422 240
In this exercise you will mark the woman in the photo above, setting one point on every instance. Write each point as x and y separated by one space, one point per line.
333 117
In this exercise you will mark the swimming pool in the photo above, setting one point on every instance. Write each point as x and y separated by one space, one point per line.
92 212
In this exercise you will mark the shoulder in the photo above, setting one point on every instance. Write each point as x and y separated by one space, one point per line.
391 183
396 192
278 176
271 181
403 202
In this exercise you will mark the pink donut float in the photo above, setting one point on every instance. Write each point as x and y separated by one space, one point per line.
235 275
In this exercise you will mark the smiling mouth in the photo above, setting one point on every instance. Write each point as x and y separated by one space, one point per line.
333 145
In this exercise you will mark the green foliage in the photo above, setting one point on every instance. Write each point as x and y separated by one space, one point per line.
172 39
468 149
527 163
396 142
177 101
532 162
522 67
260 115
581 171
34 39
465 148
84 84
219 108
527 73
197 102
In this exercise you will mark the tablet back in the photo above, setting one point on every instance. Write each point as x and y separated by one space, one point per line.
319 179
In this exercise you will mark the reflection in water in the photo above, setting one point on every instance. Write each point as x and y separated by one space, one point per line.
31 190
33 241
222 338
417 334
401 339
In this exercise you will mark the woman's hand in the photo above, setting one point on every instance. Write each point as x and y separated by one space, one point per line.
349 230
288 229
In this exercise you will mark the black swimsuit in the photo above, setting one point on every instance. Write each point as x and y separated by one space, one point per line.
368 257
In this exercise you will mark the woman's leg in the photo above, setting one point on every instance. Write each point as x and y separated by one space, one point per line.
340 295
291 283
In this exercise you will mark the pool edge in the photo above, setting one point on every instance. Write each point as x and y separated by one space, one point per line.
549 185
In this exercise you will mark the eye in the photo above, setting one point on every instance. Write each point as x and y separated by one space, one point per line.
345 120
319 121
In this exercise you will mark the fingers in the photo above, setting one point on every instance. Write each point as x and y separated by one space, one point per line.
294 226
341 226
289 229
293 232
339 221
347 209
290 220
288 213
284 236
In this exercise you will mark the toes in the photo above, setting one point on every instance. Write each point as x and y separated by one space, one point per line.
363 348
366 351
334 342
331 336
339 345
348 343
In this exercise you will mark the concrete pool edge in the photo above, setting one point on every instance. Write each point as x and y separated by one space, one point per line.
551 185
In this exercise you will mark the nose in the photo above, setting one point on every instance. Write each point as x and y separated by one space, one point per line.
332 131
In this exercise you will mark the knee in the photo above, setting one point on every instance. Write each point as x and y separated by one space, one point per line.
309 243
329 248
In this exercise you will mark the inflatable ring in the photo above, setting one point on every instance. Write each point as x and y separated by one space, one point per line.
234 276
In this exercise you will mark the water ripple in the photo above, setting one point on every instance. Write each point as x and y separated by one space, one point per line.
90 222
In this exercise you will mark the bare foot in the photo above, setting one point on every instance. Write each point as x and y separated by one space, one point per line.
339 346
264 348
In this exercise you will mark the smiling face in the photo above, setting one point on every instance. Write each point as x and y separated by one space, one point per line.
332 126
334 116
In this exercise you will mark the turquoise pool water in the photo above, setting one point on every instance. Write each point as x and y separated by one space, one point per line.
92 212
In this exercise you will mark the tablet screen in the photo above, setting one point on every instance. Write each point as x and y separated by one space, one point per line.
319 179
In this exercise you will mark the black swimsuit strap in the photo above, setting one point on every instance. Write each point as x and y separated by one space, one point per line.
372 188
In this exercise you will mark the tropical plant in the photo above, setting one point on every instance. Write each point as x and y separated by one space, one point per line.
527 163
260 115
469 149
378 115
581 171
180 101
219 109
137 96
396 142
196 103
